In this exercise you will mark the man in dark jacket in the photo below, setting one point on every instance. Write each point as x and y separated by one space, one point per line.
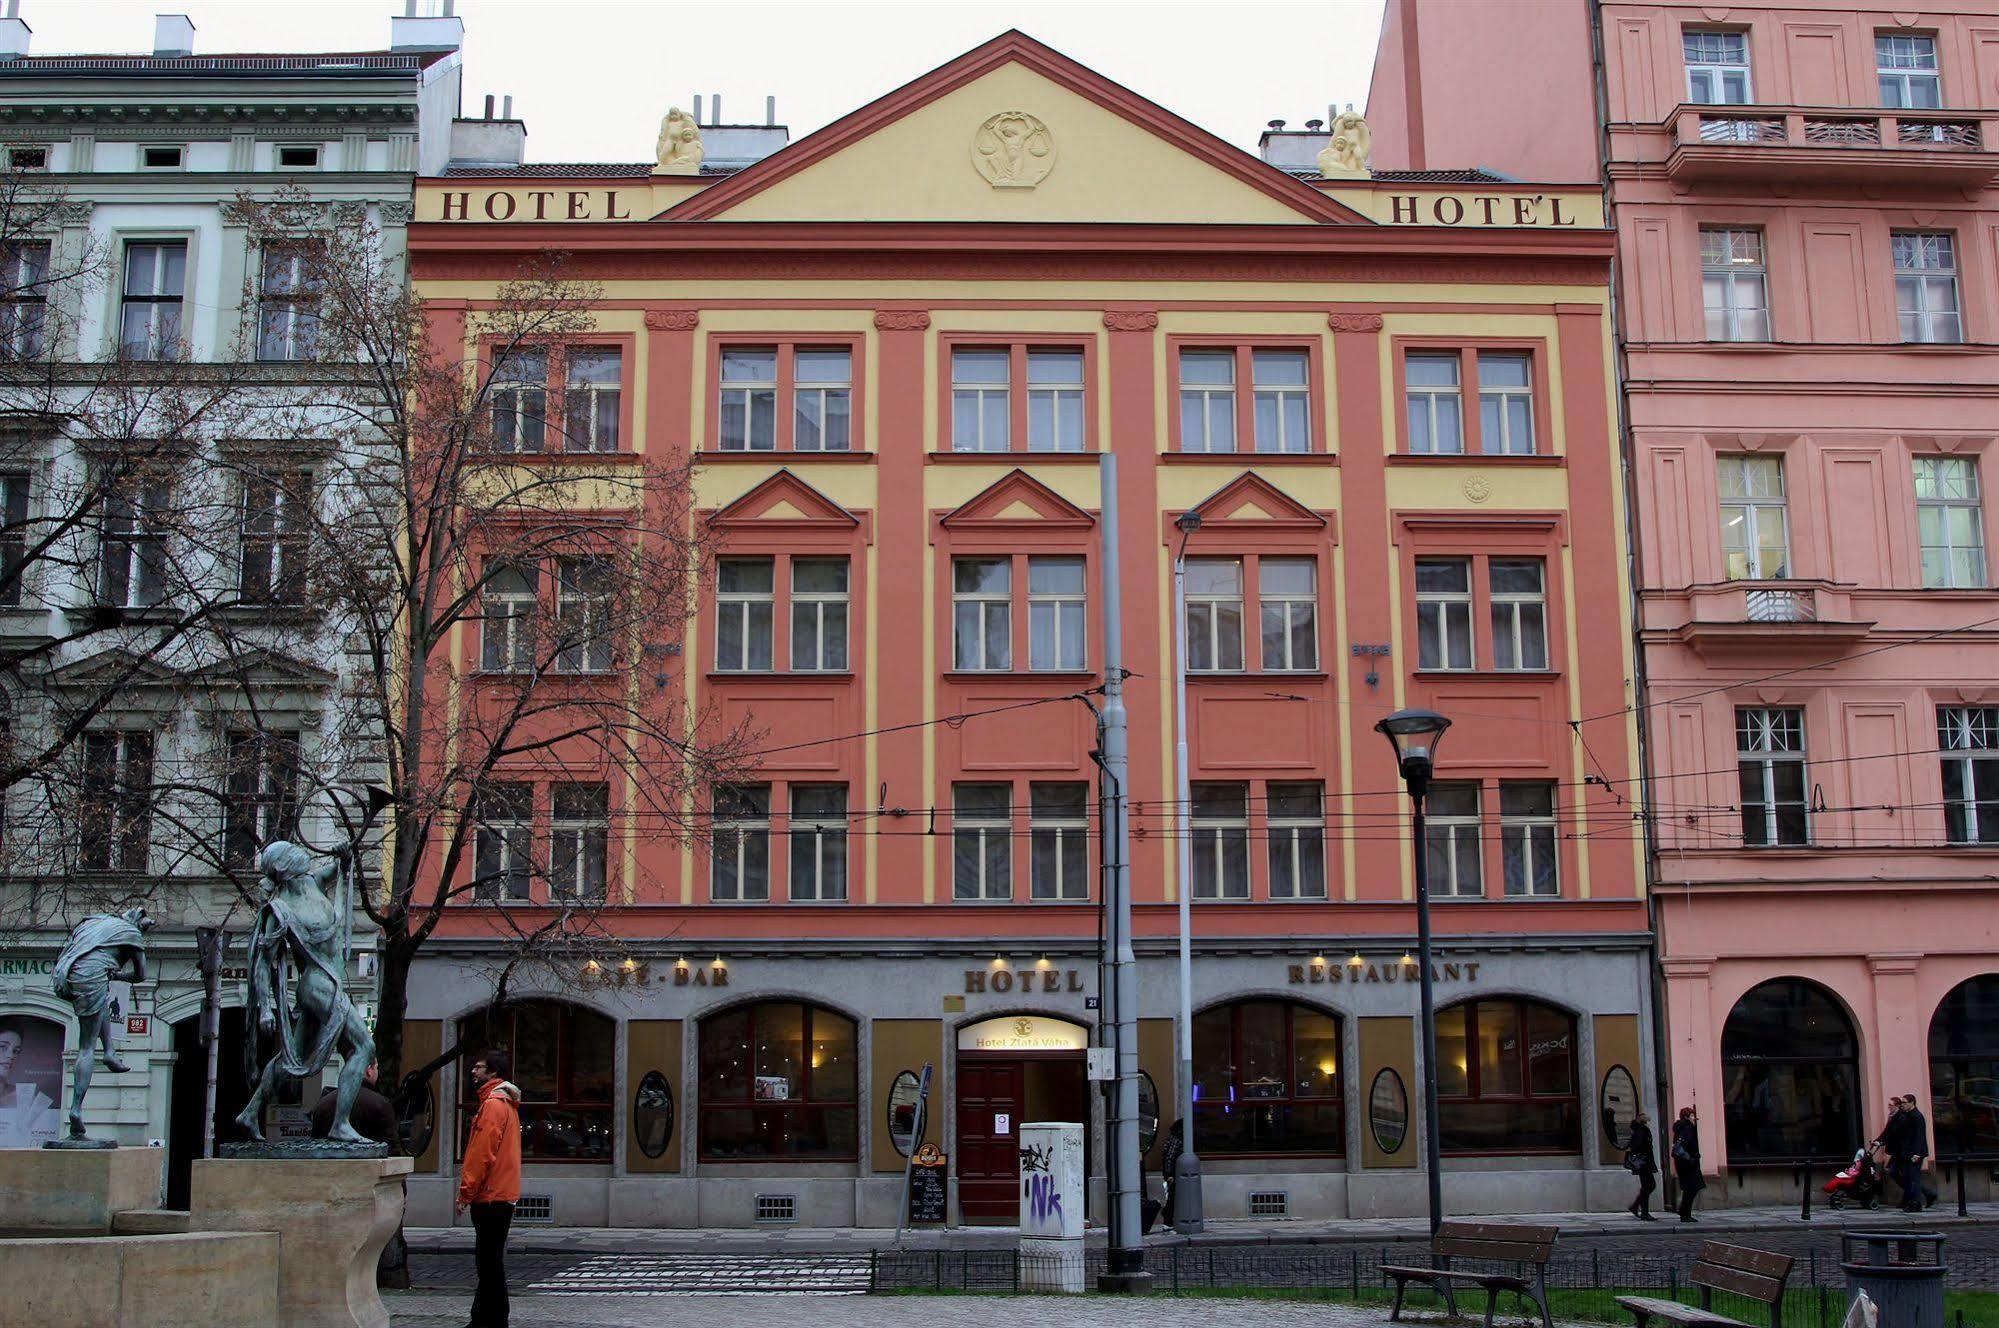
1687 1161
1917 1192
373 1116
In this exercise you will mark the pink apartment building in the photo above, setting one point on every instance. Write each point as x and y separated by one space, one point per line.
1808 287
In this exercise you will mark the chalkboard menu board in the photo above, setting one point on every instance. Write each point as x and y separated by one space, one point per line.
927 1186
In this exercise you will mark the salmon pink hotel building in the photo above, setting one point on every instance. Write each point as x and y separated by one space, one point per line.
897 349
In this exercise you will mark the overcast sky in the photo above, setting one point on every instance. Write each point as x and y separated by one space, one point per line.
593 77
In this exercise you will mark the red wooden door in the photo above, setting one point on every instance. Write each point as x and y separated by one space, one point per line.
988 1151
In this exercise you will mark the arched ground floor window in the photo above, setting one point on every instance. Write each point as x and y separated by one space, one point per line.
1267 1080
1964 1070
1790 1079
778 1082
1506 1078
565 1059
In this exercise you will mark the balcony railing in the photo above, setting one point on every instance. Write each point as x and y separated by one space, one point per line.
1796 142
1781 606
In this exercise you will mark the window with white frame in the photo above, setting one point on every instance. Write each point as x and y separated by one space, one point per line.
740 832
519 392
14 492
1436 403
1519 613
1451 834
1926 286
150 311
1527 838
981 398
1717 67
583 590
288 294
1055 602
1207 401
1282 400
503 842
1950 521
297 156
748 420
1968 741
1770 757
819 615
509 602
579 840
1058 841
818 843
1443 613
822 395
982 614
274 522
592 398
1055 421
1734 286
27 159
1214 615
1287 592
260 783
24 299
1755 529
981 841
115 801
1506 403
131 543
745 602
1296 817
1906 63
1219 830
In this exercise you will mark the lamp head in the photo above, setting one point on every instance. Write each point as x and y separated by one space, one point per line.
1187 522
1415 735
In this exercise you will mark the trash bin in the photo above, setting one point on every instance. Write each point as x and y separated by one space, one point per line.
1901 1272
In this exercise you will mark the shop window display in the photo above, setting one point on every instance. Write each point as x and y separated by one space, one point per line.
778 1082
1964 1070
1267 1080
1789 1076
564 1064
1506 1079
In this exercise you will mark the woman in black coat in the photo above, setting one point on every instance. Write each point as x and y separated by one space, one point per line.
1643 1162
1687 1161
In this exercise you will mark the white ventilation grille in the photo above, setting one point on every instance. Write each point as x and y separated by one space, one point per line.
777 1208
1270 1203
535 1208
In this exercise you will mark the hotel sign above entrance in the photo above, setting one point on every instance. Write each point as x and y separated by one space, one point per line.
1023 1033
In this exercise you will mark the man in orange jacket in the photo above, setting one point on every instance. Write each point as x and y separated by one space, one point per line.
489 1183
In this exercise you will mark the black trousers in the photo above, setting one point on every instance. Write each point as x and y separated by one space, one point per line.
1687 1196
490 1222
1648 1181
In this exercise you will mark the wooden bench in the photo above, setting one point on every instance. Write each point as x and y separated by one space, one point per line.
1757 1274
1525 1248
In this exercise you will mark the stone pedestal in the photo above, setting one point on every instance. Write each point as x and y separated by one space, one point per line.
75 1192
332 1219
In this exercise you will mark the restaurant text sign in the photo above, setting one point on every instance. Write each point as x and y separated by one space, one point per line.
1393 971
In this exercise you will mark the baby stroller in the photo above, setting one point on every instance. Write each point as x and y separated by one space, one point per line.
1860 1183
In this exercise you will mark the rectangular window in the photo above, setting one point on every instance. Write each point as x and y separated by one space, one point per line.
503 842
1505 403
1755 532
132 543
1527 838
1055 632
509 599
1519 613
1283 416
1214 615
1443 613
583 590
24 299
1436 405
745 609
298 156
27 159
1951 523
1907 66
1297 841
819 615
982 614
150 313
288 295
1770 755
1207 401
822 394
1968 738
741 836
1219 826
981 399
579 840
1288 597
162 159
1926 286
749 399
818 843
1451 841
1059 838
14 486
115 822
591 399
261 799
981 841
276 513
520 401
1055 401
1717 67
1734 286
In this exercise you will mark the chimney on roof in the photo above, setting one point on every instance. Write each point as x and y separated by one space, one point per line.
173 34
734 146
490 141
715 109
14 33
430 31
1295 151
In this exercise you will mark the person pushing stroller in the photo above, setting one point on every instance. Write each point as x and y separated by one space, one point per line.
1860 1183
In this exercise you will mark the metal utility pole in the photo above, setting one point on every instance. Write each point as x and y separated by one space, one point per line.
1126 1263
1187 1215
210 943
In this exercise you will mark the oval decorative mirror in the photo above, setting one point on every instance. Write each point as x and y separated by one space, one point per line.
652 1113
1388 1111
902 1095
1617 1103
417 1122
1148 1113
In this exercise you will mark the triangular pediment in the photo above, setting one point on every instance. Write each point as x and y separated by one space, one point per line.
1013 131
116 667
1251 499
784 500
1018 498
262 669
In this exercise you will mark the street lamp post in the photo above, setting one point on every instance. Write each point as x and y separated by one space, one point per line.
1187 1209
1414 734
